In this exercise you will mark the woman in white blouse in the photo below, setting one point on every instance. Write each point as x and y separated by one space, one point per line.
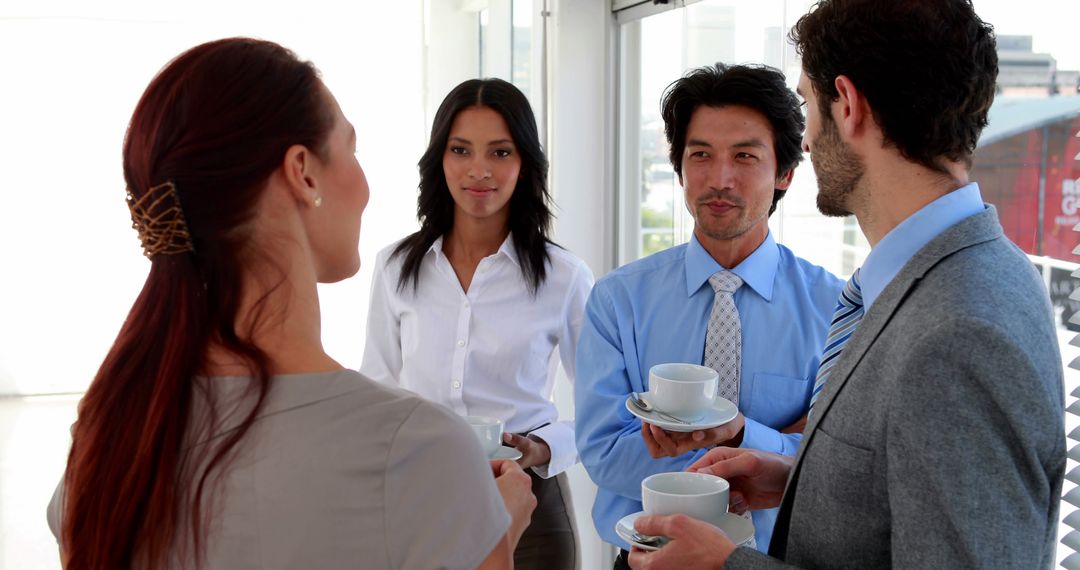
469 310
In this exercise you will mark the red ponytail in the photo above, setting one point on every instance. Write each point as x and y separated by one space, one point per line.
216 122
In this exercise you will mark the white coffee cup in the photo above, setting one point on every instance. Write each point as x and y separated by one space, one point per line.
488 431
681 389
696 495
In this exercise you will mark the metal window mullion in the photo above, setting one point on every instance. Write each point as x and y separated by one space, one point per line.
630 10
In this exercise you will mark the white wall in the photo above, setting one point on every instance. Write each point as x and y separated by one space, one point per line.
452 40
581 115
70 264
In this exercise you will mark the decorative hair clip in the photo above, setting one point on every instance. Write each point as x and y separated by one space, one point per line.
158 218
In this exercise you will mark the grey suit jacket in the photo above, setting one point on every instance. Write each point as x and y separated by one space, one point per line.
938 440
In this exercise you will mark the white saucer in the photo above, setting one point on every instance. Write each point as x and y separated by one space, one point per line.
511 453
721 412
738 529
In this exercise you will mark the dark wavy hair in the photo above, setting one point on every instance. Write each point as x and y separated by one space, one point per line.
216 121
530 214
758 87
927 69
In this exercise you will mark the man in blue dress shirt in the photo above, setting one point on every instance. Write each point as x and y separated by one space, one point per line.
735 135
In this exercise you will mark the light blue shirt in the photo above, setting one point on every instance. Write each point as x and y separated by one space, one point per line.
898 246
656 310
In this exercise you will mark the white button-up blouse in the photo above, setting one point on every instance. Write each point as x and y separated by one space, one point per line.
488 352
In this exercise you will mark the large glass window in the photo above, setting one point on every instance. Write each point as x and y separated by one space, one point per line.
484 38
1025 162
507 24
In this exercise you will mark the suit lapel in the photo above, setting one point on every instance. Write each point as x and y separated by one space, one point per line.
981 227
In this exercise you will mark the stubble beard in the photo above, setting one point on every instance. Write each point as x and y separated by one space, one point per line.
838 171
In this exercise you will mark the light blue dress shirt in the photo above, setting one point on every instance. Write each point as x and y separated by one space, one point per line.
898 246
656 310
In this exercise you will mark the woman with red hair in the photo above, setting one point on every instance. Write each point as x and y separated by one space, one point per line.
218 433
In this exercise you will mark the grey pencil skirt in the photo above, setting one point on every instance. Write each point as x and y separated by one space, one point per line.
550 542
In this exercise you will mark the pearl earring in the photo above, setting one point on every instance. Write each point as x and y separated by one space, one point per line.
318 201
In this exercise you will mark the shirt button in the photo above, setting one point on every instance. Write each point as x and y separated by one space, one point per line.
465 304
461 343
457 384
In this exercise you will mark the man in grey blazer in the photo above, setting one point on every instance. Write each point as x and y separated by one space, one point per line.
936 440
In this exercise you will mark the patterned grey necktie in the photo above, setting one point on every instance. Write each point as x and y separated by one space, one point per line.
723 341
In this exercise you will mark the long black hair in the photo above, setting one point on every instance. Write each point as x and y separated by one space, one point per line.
530 215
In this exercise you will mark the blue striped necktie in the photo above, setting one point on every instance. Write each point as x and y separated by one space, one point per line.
849 311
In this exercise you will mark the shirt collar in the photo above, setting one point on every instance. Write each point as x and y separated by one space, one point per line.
507 248
436 246
758 270
898 246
